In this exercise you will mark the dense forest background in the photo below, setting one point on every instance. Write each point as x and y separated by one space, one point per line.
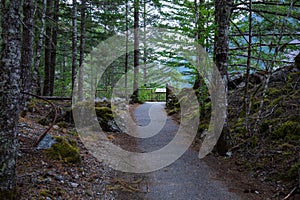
254 43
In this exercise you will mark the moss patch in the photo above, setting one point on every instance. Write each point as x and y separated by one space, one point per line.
104 113
274 92
65 150
203 127
288 130
100 111
46 193
293 171
62 124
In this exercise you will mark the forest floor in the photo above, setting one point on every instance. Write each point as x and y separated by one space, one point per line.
39 176
42 177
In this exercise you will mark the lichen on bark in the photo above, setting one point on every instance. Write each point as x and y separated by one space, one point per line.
9 96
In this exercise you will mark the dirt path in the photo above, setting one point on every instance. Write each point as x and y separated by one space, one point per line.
186 178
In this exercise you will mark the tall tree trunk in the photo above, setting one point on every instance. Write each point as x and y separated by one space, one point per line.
126 52
246 95
36 79
145 44
222 17
74 43
197 83
54 44
9 95
82 46
199 29
48 46
136 52
27 50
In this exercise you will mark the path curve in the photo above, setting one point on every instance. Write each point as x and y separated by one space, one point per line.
188 177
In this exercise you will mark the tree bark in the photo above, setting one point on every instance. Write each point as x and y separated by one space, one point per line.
136 52
246 95
82 47
48 46
27 50
36 79
145 44
9 95
222 17
126 51
54 44
74 43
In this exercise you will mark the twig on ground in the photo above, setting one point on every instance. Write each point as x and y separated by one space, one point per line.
290 194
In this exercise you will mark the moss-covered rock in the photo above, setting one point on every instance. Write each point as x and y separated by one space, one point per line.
65 150
106 119
100 111
104 114
203 127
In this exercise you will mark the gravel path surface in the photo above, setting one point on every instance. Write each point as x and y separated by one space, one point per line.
188 177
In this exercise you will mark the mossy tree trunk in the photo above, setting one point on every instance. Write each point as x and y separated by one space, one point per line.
9 95
222 18
36 78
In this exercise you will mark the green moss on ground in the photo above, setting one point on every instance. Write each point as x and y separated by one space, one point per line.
65 150
293 171
288 130
46 193
274 92
62 124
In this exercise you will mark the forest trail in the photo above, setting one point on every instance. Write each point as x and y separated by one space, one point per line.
187 178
